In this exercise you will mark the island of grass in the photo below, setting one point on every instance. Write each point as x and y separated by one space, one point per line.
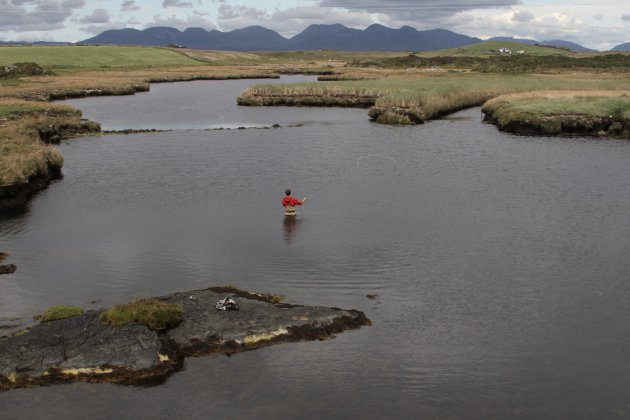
562 113
146 340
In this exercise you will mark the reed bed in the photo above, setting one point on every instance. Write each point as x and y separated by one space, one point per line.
422 98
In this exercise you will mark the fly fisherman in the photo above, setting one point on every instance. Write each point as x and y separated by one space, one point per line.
289 203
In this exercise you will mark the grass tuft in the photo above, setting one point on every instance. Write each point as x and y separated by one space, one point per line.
150 312
60 312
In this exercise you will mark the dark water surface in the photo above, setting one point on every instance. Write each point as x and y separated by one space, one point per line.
501 263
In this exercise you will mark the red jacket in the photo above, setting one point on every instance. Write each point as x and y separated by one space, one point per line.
290 201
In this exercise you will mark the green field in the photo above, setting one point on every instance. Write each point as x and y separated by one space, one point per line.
69 59
8 109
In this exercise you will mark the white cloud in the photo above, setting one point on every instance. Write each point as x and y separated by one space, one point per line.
36 15
522 16
97 16
418 9
176 3
129 6
196 20
553 25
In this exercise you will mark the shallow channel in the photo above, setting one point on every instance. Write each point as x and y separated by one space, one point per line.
500 263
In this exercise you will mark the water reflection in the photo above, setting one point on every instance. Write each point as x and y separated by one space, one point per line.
290 227
15 220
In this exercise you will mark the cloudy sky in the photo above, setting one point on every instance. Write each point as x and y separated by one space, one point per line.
592 23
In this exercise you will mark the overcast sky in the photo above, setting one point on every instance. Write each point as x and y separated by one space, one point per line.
594 24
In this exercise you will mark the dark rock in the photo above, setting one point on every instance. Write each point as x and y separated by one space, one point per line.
82 348
8 269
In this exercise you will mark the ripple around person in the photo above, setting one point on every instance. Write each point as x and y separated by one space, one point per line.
152 343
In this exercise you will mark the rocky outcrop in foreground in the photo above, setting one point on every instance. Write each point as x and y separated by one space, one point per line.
83 348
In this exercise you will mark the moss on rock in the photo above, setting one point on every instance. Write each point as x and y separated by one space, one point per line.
150 312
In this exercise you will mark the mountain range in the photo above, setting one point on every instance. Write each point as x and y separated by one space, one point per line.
316 37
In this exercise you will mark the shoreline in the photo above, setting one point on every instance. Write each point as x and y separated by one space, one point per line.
84 348
17 195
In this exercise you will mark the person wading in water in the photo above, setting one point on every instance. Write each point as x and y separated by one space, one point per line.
289 203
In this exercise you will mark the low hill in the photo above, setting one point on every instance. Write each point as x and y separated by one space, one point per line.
493 47
554 43
622 47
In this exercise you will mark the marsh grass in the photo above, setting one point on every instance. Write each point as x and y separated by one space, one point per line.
60 312
118 82
432 96
594 103
11 108
22 152
150 312
537 108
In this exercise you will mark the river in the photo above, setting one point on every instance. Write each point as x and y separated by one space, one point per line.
500 262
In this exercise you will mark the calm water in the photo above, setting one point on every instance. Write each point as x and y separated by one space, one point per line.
501 263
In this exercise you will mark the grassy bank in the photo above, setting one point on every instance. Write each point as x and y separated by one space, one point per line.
563 112
26 129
